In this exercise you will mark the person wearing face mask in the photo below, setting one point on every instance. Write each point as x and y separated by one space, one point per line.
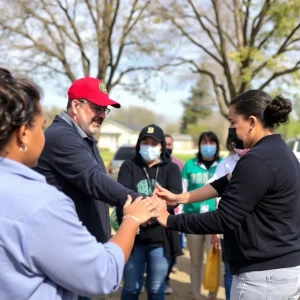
195 174
154 246
259 207
170 146
226 166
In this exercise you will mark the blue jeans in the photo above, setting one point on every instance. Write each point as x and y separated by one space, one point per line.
157 269
227 274
182 240
171 264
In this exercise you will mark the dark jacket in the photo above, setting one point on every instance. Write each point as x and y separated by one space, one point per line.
132 175
71 162
258 212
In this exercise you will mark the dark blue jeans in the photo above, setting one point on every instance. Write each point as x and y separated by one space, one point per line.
227 274
157 269
172 263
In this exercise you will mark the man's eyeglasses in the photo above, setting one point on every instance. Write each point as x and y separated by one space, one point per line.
98 109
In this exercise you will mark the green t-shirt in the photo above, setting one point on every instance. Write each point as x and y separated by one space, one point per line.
194 176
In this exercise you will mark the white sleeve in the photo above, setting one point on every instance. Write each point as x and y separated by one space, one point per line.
221 169
185 185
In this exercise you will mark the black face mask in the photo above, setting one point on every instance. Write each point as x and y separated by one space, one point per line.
169 151
234 140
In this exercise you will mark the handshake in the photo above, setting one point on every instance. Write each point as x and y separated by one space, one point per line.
142 210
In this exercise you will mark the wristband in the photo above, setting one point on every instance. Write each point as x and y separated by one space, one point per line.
136 219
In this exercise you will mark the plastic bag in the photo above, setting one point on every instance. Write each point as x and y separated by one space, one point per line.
114 220
212 270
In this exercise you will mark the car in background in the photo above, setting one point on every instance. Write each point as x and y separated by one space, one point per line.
294 144
125 152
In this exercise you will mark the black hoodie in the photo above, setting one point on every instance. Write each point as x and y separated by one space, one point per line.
133 175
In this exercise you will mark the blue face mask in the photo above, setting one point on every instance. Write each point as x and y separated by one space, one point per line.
208 151
149 153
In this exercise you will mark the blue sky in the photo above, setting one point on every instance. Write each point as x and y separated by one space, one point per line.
167 102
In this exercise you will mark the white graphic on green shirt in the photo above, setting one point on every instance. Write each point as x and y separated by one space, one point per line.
200 178
143 187
195 176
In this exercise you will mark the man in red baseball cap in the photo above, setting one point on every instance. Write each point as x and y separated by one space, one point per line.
71 161
88 101
92 89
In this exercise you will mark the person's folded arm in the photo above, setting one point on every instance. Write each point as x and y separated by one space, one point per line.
78 166
58 246
250 181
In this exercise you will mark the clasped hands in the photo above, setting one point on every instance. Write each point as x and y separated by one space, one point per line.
151 207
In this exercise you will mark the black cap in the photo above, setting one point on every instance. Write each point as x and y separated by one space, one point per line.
152 131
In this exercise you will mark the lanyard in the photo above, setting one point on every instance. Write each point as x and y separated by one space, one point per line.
149 180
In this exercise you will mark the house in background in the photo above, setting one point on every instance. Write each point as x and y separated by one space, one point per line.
114 134
183 143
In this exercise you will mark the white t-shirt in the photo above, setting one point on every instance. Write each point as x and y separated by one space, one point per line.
225 167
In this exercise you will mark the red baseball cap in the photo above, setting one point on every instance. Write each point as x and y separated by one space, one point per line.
91 89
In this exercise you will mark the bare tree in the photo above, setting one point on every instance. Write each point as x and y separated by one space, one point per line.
108 39
252 43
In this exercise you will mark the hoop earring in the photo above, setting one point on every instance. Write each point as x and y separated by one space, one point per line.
23 147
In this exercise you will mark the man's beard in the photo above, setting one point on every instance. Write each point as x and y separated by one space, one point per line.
94 127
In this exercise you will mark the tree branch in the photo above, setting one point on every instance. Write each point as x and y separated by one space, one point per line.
238 23
246 22
293 41
146 68
279 74
204 27
116 10
260 17
281 49
125 32
221 96
267 37
188 36
222 105
46 24
284 44
84 59
223 50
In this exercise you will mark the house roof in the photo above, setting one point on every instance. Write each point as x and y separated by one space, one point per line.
182 137
131 126
136 128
